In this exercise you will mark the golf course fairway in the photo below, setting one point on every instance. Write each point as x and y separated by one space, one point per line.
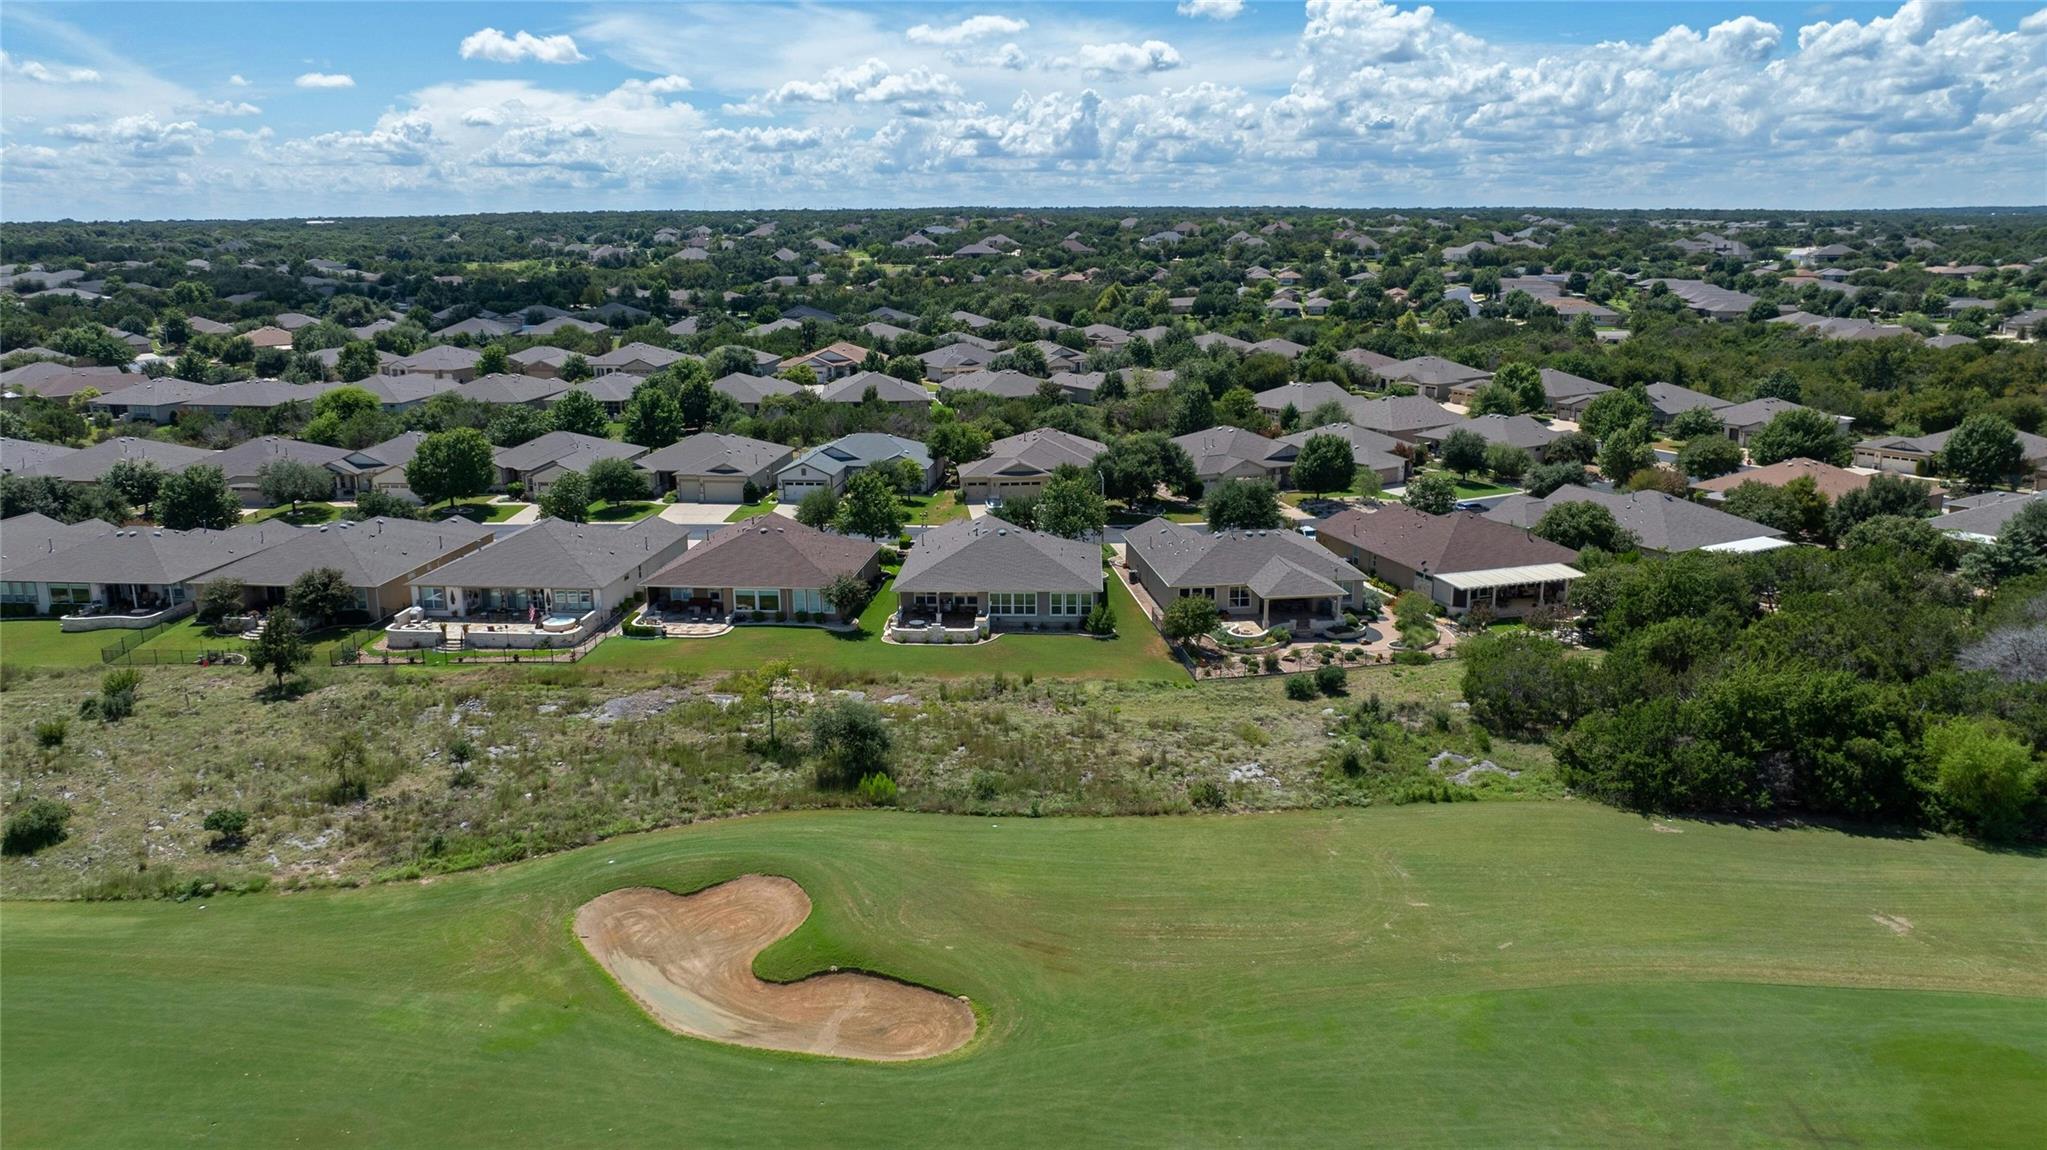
1477 974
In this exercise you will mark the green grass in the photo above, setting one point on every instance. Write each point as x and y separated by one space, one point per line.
308 514
1479 974
42 643
747 511
933 509
633 512
1474 488
1136 652
478 508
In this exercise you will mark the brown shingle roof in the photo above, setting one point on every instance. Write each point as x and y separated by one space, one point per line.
1440 544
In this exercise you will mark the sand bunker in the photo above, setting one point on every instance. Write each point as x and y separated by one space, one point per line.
688 961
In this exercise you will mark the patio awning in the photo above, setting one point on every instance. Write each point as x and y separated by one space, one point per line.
1747 546
1509 576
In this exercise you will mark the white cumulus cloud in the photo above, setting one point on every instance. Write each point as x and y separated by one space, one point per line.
1212 9
491 44
325 80
868 82
971 28
1127 59
43 73
229 108
237 80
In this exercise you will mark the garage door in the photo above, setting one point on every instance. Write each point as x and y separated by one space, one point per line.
796 489
721 490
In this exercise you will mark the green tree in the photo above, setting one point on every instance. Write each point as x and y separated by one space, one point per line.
1506 462
1070 505
1612 410
1463 451
357 361
372 504
1495 398
1625 451
1189 618
567 498
294 481
849 595
1986 781
1695 422
819 509
579 411
1802 433
1524 381
1544 478
197 497
230 825
651 418
451 465
617 481
1579 524
2021 548
517 424
493 361
1239 408
221 598
136 481
320 595
35 824
1709 456
576 369
1325 463
1432 493
1244 505
695 399
1796 508
282 648
849 741
1523 686
1882 495
953 442
1983 452
870 508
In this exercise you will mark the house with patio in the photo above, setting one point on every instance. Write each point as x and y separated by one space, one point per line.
714 468
537 463
1460 560
1275 577
377 557
27 538
970 578
243 465
552 584
1432 376
134 577
765 568
830 465
1523 431
1661 523
91 464
1222 453
1919 455
1744 420
1021 464
1382 455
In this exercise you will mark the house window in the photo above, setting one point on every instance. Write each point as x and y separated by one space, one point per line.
362 599
1072 603
1240 598
576 599
14 592
1012 602
806 599
757 599
70 593
433 598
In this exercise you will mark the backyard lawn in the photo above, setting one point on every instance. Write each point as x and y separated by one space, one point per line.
632 512
43 643
933 509
1137 651
1470 974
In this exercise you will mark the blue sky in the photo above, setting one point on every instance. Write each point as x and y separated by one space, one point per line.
216 110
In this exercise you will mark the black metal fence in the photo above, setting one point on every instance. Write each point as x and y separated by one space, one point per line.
130 640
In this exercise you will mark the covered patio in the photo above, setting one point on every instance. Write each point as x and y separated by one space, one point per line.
1507 591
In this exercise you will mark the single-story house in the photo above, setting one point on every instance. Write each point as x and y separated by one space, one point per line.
382 465
446 360
832 361
612 391
768 566
1916 455
635 359
507 388
24 539
402 392
1021 464
714 468
829 465
537 463
749 390
1382 455
61 381
1404 417
988 574
1832 482
1275 577
243 465
540 360
1667 401
1306 397
1432 376
1224 452
1743 420
1523 431
378 557
1460 560
135 577
954 359
24 455
1006 384
1981 518
1709 300
550 584
90 464
1568 394
1664 523
853 388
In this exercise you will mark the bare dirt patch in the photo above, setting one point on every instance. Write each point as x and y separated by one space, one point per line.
1893 923
688 961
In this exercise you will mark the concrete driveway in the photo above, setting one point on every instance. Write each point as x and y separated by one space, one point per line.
698 513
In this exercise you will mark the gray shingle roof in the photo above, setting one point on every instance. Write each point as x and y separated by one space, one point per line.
853 389
714 454
990 554
553 553
1402 413
769 551
1662 522
1306 397
27 538
151 555
1668 399
23 454
862 449
1440 544
90 463
505 387
1007 384
748 390
1514 430
368 554
1034 452
249 456
567 448
1185 557
1218 449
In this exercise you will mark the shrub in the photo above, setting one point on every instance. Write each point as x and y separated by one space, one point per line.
1271 661
122 680
115 705
231 825
850 742
1330 679
50 733
1301 688
1207 794
37 824
877 789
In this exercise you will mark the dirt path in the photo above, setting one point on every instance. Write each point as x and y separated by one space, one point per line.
688 961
